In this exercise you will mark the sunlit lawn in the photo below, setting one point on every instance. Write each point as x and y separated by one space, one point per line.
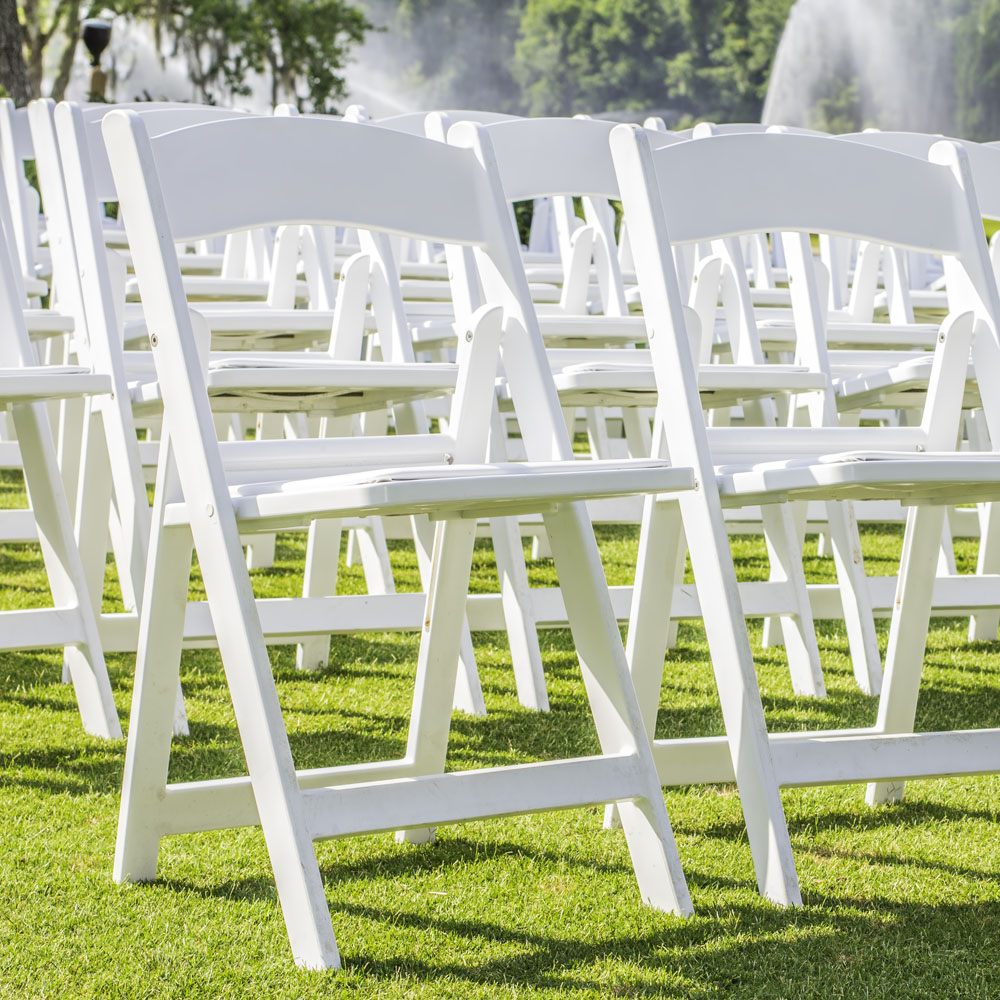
900 902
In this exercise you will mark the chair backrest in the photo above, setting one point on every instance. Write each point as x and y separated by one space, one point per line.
243 173
558 156
15 346
984 160
796 185
15 148
865 191
704 129
159 117
413 121
566 157
9 245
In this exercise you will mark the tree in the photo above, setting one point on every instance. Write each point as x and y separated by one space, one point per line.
593 55
42 22
696 58
13 72
299 44
977 71
723 72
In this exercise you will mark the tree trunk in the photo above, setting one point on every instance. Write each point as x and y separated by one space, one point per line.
13 72
71 33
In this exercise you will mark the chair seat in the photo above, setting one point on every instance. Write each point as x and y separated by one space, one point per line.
617 384
926 477
270 381
46 323
26 385
888 387
446 490
557 329
209 287
779 334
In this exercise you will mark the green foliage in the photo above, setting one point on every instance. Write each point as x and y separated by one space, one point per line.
977 71
590 55
687 58
300 45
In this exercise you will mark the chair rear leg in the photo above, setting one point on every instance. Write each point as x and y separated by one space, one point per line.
265 741
322 561
612 697
260 548
739 697
785 553
649 627
859 619
984 624
468 692
519 614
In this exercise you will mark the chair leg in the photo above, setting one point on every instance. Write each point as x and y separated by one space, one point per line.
260 548
859 619
93 506
739 697
265 743
322 560
785 554
468 692
374 552
649 627
68 583
446 586
157 674
519 614
911 613
515 593
70 447
616 713
773 635
984 624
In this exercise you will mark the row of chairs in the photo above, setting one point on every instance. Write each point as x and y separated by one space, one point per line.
181 184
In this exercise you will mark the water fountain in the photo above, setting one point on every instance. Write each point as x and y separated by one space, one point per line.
845 64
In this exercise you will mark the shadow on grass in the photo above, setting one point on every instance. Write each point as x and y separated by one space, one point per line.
905 813
731 952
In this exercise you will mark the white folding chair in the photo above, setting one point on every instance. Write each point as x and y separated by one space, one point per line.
570 156
25 387
797 185
229 175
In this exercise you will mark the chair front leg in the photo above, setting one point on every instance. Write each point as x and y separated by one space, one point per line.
904 658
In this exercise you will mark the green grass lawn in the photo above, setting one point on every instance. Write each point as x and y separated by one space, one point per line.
899 902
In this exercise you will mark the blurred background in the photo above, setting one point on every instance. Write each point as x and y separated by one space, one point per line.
837 65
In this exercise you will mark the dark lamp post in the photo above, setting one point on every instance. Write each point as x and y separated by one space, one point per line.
96 34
